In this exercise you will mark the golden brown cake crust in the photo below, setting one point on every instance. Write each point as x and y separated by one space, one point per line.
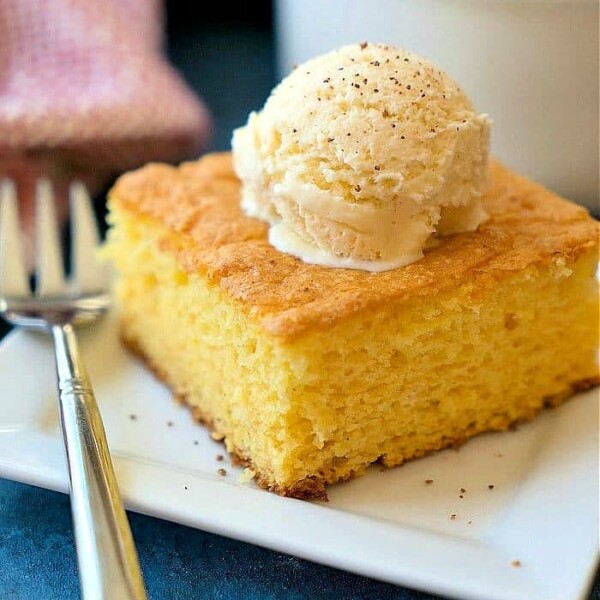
199 205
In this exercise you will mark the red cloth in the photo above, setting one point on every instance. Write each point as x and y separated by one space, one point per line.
86 92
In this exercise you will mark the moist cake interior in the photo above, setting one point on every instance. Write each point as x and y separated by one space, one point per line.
311 373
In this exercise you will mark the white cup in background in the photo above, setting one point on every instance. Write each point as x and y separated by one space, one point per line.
532 65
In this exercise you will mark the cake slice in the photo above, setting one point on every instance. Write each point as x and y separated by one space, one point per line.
309 373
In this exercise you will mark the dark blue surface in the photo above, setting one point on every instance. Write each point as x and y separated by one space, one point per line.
233 70
38 559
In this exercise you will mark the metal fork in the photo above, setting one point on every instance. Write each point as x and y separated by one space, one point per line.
108 562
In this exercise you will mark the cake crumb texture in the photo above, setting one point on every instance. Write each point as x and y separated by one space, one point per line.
310 374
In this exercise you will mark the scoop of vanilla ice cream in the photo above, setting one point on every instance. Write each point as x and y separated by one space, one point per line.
360 155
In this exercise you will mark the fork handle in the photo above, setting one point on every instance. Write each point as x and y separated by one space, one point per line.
108 563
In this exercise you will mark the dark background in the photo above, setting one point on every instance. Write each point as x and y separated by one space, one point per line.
228 57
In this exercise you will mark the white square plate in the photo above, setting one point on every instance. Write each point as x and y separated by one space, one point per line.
542 510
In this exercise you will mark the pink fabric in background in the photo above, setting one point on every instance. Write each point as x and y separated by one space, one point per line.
86 92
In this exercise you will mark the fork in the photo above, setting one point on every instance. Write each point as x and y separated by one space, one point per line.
108 563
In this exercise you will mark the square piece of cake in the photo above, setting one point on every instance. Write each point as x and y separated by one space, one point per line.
310 373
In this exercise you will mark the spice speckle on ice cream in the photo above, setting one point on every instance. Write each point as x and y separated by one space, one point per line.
360 155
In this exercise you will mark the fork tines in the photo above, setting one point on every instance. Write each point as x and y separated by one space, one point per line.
88 276
50 276
13 275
